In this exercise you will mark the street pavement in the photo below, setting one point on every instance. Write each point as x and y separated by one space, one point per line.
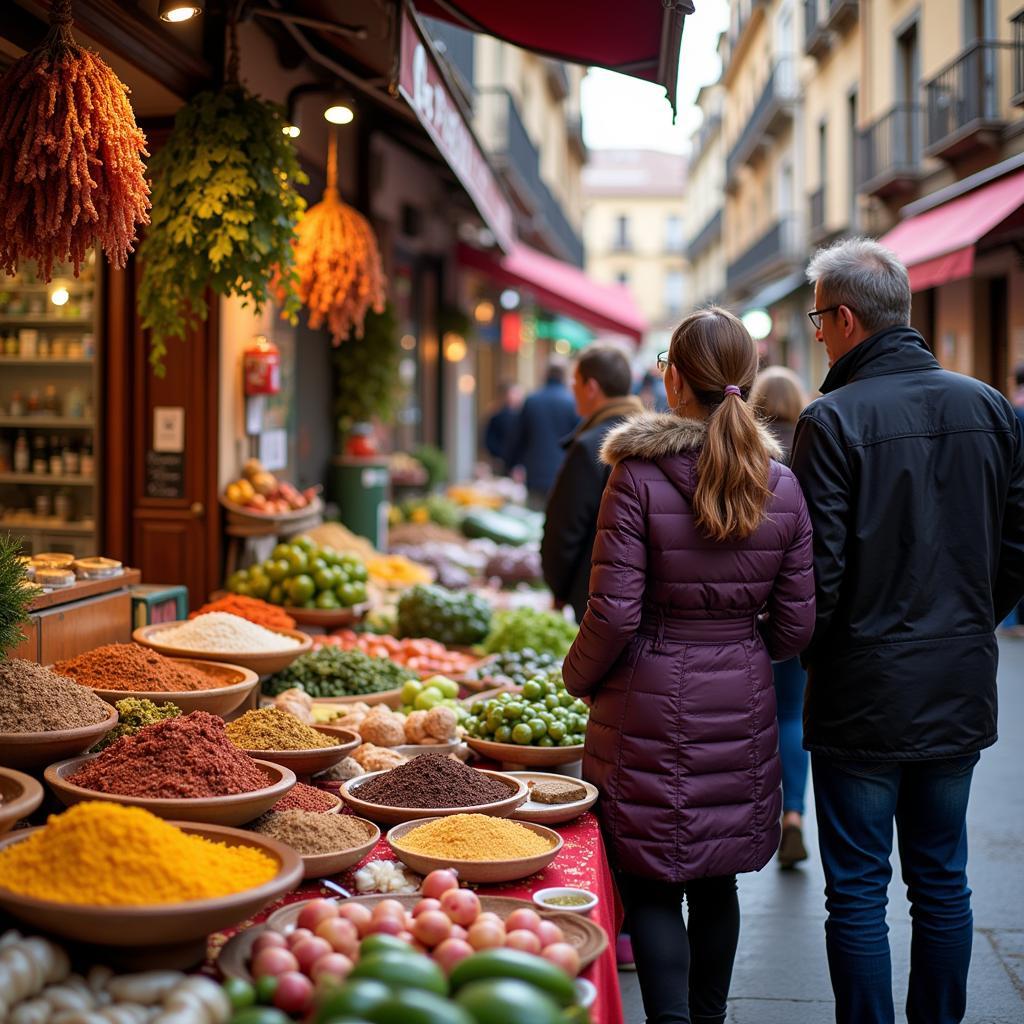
781 976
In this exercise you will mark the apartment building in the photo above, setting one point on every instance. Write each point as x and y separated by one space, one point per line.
635 232
705 196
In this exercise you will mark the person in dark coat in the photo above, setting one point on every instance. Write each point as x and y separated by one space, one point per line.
701 575
501 425
545 419
601 383
914 478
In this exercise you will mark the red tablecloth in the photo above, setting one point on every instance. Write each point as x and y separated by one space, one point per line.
581 862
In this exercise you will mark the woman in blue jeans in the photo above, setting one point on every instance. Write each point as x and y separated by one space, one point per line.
779 398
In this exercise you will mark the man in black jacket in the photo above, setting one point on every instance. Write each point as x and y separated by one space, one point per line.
914 479
601 385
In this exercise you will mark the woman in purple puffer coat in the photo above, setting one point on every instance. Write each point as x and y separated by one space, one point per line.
701 576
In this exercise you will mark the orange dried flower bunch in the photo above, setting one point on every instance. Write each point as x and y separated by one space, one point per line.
338 262
71 170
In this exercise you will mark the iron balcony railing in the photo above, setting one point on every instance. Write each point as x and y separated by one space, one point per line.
842 13
891 147
1018 59
774 104
816 37
778 244
816 203
706 237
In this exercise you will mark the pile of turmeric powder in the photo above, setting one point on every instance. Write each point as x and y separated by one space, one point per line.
108 855
473 837
274 729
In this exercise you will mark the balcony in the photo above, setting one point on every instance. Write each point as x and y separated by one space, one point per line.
841 14
1018 60
706 237
968 101
557 78
817 38
574 133
746 15
816 210
775 252
773 113
888 162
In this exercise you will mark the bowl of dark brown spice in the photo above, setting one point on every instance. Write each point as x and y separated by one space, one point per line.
327 843
45 716
430 786
20 795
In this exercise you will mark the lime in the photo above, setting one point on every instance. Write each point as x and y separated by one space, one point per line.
281 551
304 543
266 988
298 561
448 687
301 588
327 600
276 594
538 727
522 734
240 993
427 698
325 579
532 690
502 734
277 569
411 690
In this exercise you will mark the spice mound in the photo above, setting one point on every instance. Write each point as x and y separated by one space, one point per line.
306 798
252 608
131 667
274 729
134 714
99 853
223 633
473 837
432 780
309 833
36 699
188 757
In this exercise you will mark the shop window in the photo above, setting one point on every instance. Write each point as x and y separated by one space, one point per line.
674 235
675 283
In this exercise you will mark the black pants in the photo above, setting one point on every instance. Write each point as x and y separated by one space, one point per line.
684 969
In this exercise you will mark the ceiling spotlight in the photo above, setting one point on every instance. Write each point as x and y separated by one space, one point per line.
179 10
339 113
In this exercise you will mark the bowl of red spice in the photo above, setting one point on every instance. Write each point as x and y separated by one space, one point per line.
118 671
20 795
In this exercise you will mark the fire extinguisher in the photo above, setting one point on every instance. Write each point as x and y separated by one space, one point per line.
262 368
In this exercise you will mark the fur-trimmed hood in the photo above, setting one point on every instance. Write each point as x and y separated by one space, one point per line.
654 436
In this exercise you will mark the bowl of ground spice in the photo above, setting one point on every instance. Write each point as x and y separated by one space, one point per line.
119 877
308 798
182 768
432 785
45 716
20 795
482 848
328 843
119 671
274 735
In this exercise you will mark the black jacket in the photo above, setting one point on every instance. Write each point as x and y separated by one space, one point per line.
570 523
914 478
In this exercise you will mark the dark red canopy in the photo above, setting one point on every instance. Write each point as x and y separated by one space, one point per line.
640 38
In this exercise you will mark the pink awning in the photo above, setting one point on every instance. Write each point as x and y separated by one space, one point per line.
561 288
938 245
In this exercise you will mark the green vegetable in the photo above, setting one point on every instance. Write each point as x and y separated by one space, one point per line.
408 970
355 998
518 667
261 1015
413 1006
512 963
301 575
382 944
461 619
544 632
332 672
240 993
545 714
507 1001
266 989
496 526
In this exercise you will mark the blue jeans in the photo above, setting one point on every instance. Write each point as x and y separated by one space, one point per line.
790 682
856 803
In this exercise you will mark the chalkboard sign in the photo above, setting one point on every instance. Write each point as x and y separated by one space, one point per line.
165 475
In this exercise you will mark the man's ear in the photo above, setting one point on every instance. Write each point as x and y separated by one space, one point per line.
849 323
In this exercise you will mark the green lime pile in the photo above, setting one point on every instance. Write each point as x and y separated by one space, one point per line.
443 615
431 693
515 666
545 714
332 672
299 574
542 632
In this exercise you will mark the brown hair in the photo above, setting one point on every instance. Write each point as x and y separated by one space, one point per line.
609 367
777 394
711 349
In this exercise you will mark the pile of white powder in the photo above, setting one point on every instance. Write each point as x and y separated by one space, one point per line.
221 632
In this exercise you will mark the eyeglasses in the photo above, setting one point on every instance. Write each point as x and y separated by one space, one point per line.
662 361
815 315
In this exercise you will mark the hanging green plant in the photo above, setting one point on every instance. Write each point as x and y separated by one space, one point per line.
225 208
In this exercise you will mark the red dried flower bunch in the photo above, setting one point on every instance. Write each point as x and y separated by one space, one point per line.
71 170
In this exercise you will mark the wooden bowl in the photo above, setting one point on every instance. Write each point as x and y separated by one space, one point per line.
168 935
323 865
485 871
260 662
330 618
20 795
318 759
527 756
396 815
36 749
553 814
236 809
239 682
293 521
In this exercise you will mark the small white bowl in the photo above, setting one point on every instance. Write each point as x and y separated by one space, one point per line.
542 895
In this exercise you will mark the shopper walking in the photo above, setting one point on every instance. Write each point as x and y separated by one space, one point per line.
547 416
914 478
501 425
601 383
778 398
699 532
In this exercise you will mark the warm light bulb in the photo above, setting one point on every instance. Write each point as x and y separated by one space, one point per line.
59 296
176 11
467 384
758 323
408 342
339 114
484 312
292 131
562 347
454 348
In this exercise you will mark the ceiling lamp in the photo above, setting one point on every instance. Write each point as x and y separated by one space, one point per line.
340 112
179 10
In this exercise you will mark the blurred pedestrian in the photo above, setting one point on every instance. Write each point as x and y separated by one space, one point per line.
601 383
502 423
699 532
546 418
914 478
651 392
1017 630
778 398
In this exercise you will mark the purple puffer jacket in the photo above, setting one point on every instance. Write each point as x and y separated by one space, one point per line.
683 740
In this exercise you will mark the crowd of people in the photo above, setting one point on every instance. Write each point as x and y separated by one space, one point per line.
764 584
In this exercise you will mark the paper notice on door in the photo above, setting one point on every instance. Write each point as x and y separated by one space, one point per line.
274 449
168 428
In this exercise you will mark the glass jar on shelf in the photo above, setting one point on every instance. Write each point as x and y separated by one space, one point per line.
40 456
51 401
22 453
18 407
11 344
63 506
86 463
43 347
75 403
56 456
70 456
58 348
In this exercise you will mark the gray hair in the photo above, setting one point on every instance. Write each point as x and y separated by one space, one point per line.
867 277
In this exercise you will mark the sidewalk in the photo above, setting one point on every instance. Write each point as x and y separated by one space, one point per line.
781 976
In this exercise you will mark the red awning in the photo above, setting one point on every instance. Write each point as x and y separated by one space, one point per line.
939 245
639 39
561 288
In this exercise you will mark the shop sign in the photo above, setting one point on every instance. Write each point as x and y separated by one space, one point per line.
165 474
424 88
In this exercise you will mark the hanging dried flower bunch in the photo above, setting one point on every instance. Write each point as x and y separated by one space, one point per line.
71 171
338 262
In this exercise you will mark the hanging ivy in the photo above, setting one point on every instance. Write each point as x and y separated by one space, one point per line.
225 208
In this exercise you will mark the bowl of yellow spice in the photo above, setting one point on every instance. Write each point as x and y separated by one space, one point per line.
271 734
149 890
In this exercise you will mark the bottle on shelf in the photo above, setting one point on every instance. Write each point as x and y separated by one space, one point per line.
56 456
34 402
71 459
63 506
22 454
51 402
40 456
17 403
86 466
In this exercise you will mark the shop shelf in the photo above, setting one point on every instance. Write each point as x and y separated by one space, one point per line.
39 320
53 481
27 527
46 423
45 361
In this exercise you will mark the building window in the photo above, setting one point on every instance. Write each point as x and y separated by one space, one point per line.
674 287
674 240
621 239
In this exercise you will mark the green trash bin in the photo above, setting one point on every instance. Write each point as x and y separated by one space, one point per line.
359 487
